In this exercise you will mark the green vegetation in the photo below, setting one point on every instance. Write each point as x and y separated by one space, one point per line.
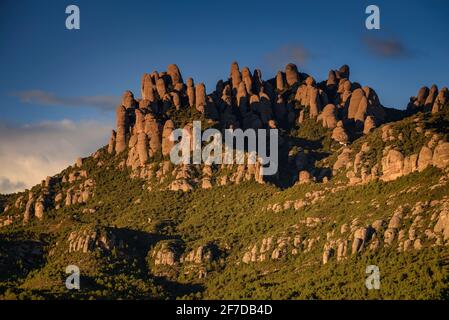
232 218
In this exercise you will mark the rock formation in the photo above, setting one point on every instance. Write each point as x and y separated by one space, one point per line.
175 74
200 96
339 134
441 100
112 141
235 76
291 74
122 128
190 92
329 116
167 144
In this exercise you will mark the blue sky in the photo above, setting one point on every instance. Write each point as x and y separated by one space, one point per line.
51 74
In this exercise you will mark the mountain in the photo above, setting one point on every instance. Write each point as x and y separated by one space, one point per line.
358 185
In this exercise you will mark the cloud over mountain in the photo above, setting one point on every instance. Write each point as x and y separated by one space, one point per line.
386 47
288 53
8 186
28 153
40 97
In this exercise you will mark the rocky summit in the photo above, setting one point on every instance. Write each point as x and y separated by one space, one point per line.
358 185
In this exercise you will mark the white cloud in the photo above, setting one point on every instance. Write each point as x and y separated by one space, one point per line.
105 103
8 186
29 153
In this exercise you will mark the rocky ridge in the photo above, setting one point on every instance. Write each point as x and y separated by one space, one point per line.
336 137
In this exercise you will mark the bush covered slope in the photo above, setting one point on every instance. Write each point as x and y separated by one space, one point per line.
139 227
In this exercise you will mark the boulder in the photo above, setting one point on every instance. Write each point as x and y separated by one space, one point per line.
392 165
147 88
79 162
433 92
369 125
390 236
342 249
29 208
442 225
314 102
111 143
308 96
122 128
331 79
180 185
247 79
410 164
357 105
201 255
200 96
343 159
304 177
142 147
190 92
160 87
167 144
327 253
91 239
425 158
361 237
422 96
153 132
441 100
329 116
440 157
128 100
176 99
339 134
242 98
280 81
235 76
39 209
175 74
344 72
167 254
291 74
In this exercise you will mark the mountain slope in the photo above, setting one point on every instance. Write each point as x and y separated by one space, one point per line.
358 185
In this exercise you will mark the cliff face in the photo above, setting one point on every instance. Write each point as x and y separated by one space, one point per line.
353 188
246 101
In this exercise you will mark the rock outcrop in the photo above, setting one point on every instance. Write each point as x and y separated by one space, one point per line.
122 128
89 240
291 74
339 134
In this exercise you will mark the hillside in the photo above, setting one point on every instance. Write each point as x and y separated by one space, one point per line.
358 184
